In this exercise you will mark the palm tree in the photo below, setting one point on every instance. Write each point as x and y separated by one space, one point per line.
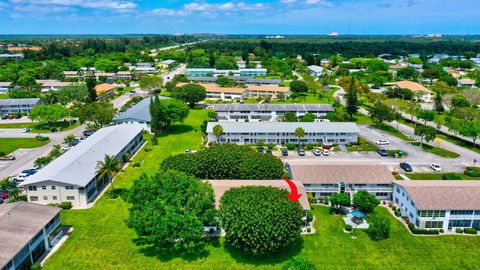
218 131
108 167
299 133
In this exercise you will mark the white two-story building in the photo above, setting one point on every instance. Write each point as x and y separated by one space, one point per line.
439 204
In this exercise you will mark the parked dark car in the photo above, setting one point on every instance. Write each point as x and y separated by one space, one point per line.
1 200
260 150
18 116
73 142
406 167
30 171
4 116
301 152
285 153
88 132
382 152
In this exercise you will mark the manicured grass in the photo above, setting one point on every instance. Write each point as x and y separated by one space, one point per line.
102 240
3 96
436 176
8 145
392 131
37 127
365 146
362 119
437 150
459 143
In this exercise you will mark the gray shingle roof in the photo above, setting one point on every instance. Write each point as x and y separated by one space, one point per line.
273 107
139 112
19 223
262 127
78 165
19 101
315 68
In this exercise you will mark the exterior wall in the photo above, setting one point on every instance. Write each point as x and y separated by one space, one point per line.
268 116
48 191
451 219
146 125
284 138
37 246
272 94
381 191
17 108
226 96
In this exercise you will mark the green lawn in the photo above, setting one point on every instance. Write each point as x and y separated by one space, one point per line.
437 150
365 146
102 240
459 143
436 176
8 145
41 127
362 119
392 131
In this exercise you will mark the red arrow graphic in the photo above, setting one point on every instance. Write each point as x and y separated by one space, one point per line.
293 196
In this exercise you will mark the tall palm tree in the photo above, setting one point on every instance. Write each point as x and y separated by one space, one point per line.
108 167
299 133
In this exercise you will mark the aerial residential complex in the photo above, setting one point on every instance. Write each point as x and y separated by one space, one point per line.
19 105
284 132
72 177
26 233
238 79
269 112
209 72
138 114
323 178
440 204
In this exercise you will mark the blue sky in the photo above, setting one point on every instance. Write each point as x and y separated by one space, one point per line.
239 17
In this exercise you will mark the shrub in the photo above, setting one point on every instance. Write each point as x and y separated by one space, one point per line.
36 266
147 149
470 230
397 212
260 143
441 231
459 230
472 171
226 161
309 146
136 164
297 263
310 197
65 205
348 227
270 146
277 228
309 215
379 227
154 140
451 176
309 230
291 146
2 153
421 231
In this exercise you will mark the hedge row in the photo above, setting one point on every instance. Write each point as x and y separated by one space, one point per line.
420 231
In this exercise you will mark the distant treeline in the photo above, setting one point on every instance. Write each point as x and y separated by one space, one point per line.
348 47
55 49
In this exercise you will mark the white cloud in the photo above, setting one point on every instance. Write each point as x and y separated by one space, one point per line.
308 3
92 4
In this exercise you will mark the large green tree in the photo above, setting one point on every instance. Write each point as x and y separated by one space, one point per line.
365 201
151 84
298 86
426 115
425 133
381 112
351 99
260 221
50 113
190 93
167 112
90 83
100 113
108 168
379 227
226 161
339 200
169 209
77 94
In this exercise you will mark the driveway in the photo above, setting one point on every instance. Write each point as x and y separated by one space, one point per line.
26 157
24 119
168 76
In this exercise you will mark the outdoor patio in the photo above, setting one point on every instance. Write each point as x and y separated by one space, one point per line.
355 218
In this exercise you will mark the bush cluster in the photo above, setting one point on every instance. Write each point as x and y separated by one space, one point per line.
226 161
348 228
420 231
470 231
63 205
472 171
451 176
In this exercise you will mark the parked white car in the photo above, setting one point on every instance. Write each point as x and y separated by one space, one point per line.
382 142
25 130
326 152
436 167
20 177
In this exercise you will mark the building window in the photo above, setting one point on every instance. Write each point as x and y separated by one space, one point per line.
54 198
461 212
32 188
44 187
33 198
70 198
432 213
433 224
69 187
54 187
45 198
460 223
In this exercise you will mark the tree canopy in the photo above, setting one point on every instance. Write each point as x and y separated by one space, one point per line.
166 112
151 84
226 161
365 201
169 209
190 93
298 86
260 221
50 113
100 113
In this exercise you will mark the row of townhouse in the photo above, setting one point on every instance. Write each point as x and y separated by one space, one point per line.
27 233
280 133
428 204
238 79
269 112
216 92
110 76
18 105
212 72
73 176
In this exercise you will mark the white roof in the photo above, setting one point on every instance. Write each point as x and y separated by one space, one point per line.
315 68
289 127
78 165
